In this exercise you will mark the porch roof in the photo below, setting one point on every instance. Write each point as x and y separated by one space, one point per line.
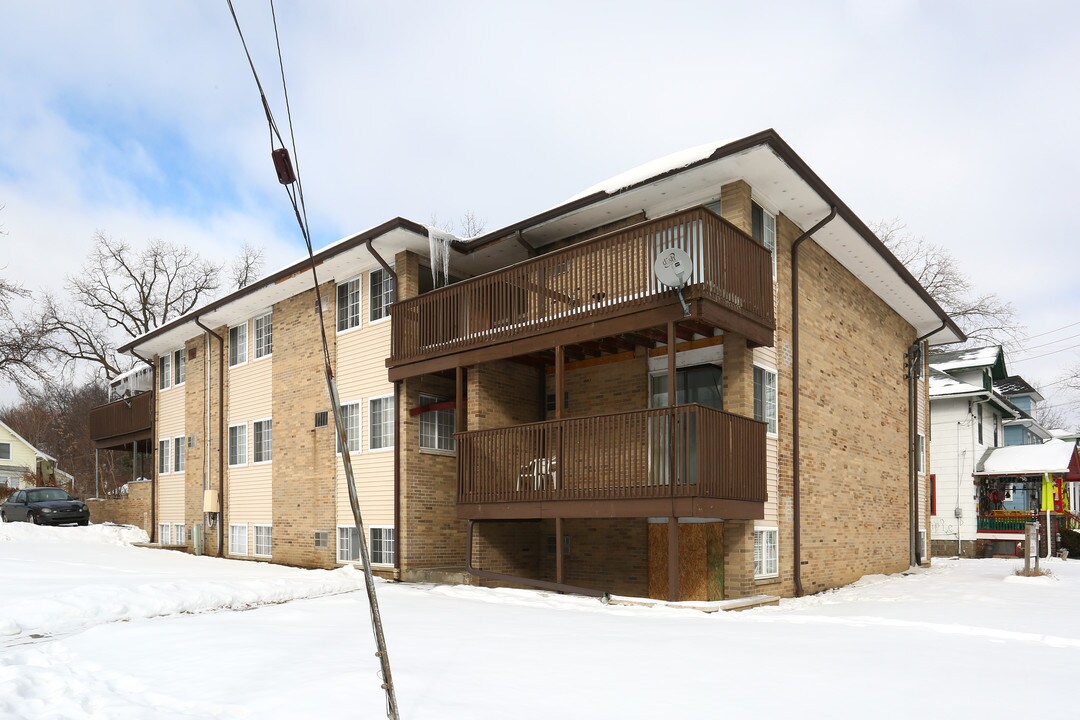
1056 457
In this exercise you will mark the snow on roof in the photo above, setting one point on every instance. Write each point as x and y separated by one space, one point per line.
651 169
942 384
138 368
960 359
1064 434
1053 456
1014 385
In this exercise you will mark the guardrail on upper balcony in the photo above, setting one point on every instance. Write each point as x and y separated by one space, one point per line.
121 420
682 451
607 276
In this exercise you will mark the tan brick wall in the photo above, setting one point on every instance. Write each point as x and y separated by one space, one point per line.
133 509
432 535
503 393
195 425
604 387
304 464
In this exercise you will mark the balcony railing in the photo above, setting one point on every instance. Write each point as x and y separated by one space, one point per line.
121 421
604 277
1010 521
681 452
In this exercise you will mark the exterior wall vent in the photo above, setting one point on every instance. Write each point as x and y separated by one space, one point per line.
322 418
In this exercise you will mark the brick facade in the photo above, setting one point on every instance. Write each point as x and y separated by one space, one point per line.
132 509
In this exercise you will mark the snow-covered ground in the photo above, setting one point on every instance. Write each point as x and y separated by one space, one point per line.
95 628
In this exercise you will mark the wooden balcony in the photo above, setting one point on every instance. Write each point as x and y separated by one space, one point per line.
596 288
690 461
121 422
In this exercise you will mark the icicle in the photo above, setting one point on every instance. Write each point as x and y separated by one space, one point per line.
439 249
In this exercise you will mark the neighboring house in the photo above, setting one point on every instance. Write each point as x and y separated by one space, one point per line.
981 497
23 465
526 432
1023 430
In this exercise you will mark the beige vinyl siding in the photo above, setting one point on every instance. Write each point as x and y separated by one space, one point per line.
250 398
170 425
766 357
361 368
22 455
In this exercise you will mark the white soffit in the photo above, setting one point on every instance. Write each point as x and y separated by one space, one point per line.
338 267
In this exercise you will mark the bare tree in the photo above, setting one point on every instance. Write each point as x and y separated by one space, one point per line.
20 338
247 266
983 316
469 225
124 291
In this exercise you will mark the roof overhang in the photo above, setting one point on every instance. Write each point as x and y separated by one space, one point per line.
781 181
1054 457
338 261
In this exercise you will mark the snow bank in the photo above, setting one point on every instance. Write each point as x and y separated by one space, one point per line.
107 533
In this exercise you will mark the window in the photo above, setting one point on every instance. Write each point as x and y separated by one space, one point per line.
348 544
765 553
322 539
348 304
5 451
436 426
238 445
979 422
163 457
763 226
350 423
179 367
765 397
382 545
263 536
238 345
164 536
920 453
179 536
238 540
179 454
262 445
164 371
381 423
264 335
997 425
382 294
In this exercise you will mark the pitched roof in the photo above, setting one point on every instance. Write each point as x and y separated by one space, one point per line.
1053 456
991 357
25 442
1016 385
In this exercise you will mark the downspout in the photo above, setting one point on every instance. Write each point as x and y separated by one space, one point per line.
796 508
913 433
221 435
397 406
153 443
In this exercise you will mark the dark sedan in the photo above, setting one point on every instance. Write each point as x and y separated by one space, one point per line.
45 506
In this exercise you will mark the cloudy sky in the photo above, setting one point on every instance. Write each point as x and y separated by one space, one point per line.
141 119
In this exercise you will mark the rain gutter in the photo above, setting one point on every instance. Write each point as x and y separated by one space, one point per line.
796 507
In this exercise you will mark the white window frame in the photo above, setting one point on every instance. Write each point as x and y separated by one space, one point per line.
165 371
348 552
768 228
772 420
385 295
179 451
179 362
353 320
164 463
382 556
164 533
269 441
240 461
430 419
357 440
760 558
264 345
5 454
269 541
920 453
389 439
238 531
238 346
179 534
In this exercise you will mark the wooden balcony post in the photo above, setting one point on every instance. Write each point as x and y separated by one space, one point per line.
560 362
673 522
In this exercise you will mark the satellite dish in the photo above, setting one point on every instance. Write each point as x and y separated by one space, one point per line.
673 267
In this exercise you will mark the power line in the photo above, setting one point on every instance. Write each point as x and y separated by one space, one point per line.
1048 332
1047 354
